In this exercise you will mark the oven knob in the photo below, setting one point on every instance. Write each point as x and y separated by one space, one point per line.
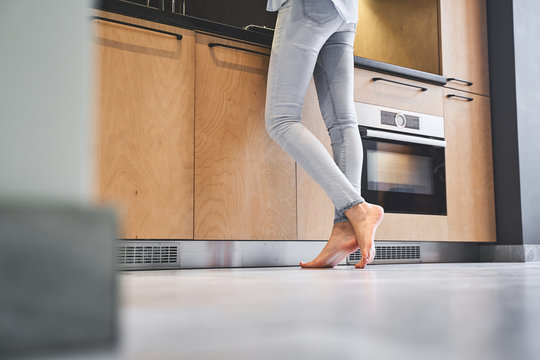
401 121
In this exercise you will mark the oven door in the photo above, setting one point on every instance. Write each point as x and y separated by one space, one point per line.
404 173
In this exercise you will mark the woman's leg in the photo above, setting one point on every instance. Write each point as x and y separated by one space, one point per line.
298 38
334 81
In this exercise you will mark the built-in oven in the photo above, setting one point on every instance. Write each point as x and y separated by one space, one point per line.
403 166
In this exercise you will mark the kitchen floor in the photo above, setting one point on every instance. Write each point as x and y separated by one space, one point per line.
413 311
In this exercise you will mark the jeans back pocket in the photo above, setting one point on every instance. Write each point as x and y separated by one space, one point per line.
319 11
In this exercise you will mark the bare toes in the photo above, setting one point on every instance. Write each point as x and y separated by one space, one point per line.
360 265
311 264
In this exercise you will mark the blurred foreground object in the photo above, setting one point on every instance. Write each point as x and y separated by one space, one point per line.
57 277
57 258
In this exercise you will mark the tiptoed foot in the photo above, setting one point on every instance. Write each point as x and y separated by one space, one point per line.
342 242
364 219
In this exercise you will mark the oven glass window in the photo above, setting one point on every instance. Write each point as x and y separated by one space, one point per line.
404 177
399 172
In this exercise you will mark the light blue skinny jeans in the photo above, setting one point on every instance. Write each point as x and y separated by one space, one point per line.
315 40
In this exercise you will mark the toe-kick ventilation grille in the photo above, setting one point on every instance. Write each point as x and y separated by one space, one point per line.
390 254
147 254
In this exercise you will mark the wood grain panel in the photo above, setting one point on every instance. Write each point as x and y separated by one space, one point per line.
244 183
395 95
144 97
315 209
411 227
464 44
403 33
469 169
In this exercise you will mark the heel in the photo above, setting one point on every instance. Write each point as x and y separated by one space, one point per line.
381 215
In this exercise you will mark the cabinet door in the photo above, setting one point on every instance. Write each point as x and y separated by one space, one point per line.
244 182
145 129
464 44
398 96
469 168
403 33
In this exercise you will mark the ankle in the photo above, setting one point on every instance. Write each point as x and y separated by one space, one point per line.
357 212
344 228
343 225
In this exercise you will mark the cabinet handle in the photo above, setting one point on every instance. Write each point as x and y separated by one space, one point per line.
400 83
178 36
468 83
237 48
460 97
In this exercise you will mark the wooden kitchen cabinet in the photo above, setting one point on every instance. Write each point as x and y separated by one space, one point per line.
183 151
464 44
469 167
144 95
244 182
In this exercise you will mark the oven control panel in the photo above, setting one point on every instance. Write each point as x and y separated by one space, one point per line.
397 120
400 120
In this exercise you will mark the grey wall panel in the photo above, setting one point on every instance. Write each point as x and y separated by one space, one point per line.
527 74
45 129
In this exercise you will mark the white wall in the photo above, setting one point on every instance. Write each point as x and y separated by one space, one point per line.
45 99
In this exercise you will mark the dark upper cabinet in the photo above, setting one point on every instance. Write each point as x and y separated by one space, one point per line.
238 13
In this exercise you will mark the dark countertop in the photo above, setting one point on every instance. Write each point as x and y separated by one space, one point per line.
262 39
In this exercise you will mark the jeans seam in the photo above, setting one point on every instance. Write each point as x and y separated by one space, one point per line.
329 87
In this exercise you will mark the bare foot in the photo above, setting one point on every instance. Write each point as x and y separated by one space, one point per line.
364 219
342 242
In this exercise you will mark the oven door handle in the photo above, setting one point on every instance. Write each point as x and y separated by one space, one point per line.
403 138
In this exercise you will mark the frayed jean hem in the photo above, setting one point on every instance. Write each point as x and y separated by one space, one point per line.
347 207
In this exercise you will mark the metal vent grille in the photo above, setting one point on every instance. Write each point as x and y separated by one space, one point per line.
140 254
390 254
